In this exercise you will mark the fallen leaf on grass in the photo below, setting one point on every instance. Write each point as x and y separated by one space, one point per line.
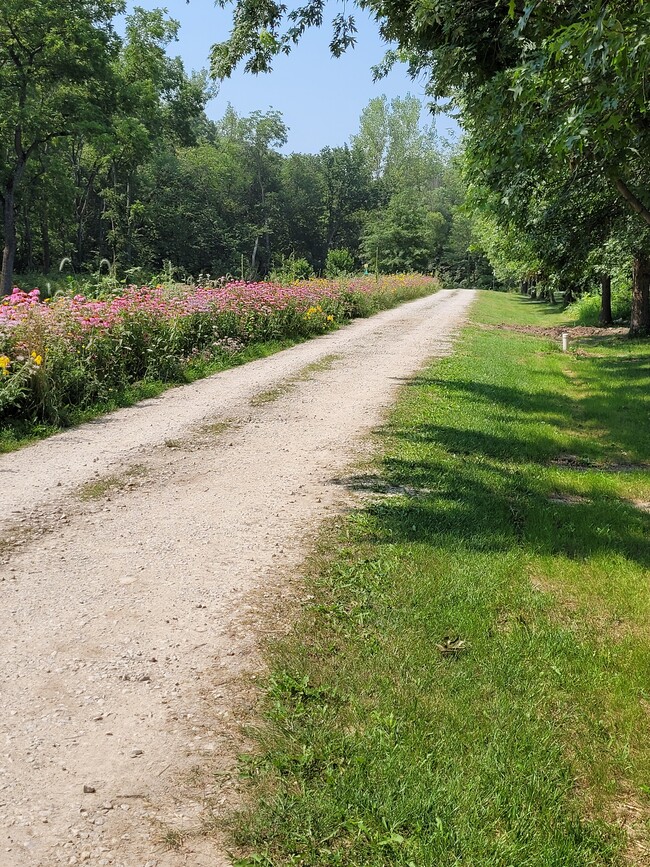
451 645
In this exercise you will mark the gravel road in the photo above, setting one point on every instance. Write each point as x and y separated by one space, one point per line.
143 557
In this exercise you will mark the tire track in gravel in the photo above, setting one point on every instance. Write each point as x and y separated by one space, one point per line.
141 558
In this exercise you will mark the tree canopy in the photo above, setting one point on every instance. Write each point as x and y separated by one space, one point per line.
552 96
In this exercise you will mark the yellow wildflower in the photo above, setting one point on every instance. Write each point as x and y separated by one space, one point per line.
5 361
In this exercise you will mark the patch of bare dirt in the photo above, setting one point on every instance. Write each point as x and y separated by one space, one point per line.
556 331
576 462
633 818
568 499
145 557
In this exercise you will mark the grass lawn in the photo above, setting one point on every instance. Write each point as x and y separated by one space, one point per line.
515 519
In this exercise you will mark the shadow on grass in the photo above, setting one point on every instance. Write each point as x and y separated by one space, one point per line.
479 476
490 508
618 401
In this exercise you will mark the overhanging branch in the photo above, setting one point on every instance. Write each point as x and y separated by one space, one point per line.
635 203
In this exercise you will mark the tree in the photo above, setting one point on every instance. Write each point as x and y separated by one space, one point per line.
398 151
258 135
405 236
159 106
575 72
348 195
301 221
56 80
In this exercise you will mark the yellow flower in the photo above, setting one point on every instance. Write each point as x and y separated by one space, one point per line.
37 359
5 361
330 319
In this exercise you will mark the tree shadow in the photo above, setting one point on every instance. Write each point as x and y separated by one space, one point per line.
541 306
488 508
495 498
617 402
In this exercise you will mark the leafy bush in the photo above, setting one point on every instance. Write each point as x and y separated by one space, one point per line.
587 308
339 263
292 269
72 353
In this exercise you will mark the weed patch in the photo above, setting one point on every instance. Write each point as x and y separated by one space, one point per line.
102 487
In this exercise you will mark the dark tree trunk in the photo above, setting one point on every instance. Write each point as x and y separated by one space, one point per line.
45 239
606 300
28 242
9 251
640 319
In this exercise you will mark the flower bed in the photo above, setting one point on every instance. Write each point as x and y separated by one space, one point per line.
75 352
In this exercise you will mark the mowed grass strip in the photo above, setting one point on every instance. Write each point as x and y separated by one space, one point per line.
470 685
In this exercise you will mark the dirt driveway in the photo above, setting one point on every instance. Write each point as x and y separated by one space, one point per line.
134 554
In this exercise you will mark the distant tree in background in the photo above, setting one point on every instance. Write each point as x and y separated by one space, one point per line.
56 80
109 164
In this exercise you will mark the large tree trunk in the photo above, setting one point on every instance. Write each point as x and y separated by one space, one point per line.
9 251
28 243
605 300
640 319
45 238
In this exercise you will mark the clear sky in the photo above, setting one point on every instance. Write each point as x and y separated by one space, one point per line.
320 98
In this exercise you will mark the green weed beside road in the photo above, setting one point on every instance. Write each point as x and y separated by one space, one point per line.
470 685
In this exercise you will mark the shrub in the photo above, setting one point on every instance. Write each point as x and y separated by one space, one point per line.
339 263
587 308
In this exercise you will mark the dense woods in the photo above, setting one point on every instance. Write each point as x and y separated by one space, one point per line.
109 165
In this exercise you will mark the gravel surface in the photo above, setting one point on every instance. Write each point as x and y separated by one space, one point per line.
143 557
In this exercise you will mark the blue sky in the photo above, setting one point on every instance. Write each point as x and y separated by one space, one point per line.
320 98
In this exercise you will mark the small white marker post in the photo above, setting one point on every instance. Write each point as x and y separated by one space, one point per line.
565 341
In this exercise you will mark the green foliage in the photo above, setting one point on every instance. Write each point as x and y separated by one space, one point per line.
56 80
397 149
586 310
133 174
406 236
339 263
554 103
292 269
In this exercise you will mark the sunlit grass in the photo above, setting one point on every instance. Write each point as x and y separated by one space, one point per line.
523 536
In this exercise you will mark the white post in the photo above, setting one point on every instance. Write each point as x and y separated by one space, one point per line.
565 341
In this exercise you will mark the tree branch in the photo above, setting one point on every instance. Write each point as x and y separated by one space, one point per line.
635 203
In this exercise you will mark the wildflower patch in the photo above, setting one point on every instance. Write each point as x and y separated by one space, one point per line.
64 355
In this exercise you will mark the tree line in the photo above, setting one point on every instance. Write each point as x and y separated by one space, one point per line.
108 161
553 98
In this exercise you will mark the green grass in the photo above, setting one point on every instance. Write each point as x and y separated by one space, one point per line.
519 535
17 433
